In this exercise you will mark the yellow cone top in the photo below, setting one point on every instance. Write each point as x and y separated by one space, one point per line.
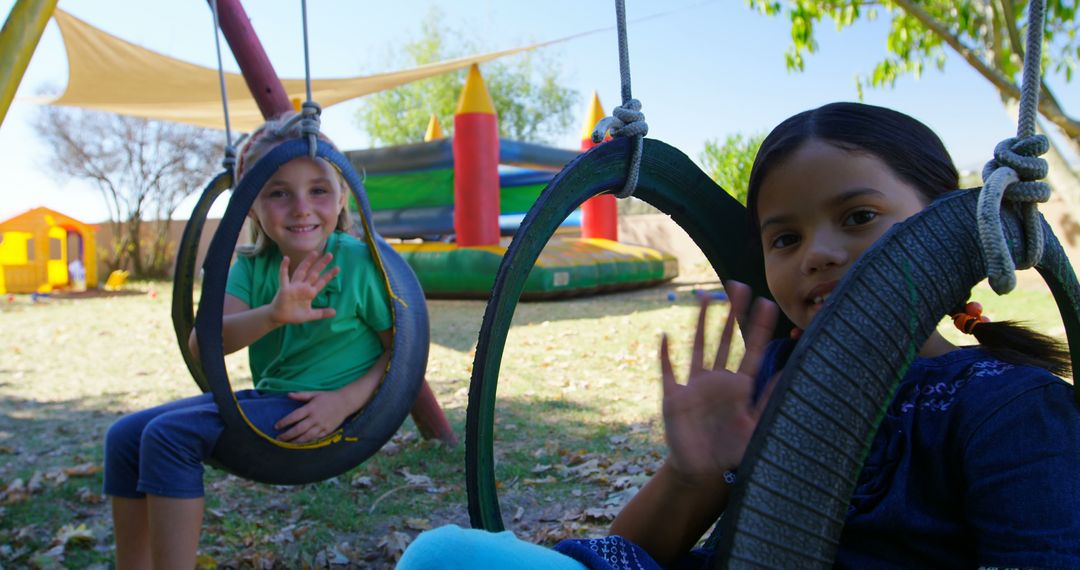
434 129
596 112
475 97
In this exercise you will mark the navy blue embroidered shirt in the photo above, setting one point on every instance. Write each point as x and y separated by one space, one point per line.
976 463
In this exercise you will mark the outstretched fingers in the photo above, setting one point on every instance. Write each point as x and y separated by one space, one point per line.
764 396
309 269
761 324
283 271
697 356
738 299
667 373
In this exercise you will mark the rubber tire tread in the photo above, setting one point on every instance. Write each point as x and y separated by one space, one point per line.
183 303
242 449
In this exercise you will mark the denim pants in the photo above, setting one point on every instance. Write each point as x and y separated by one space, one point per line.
161 450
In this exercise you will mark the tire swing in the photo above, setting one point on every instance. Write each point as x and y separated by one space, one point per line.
183 305
243 449
788 507
669 181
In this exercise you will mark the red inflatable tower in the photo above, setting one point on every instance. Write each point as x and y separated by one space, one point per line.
599 215
476 165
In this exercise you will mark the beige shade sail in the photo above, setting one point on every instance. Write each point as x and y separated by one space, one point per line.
109 74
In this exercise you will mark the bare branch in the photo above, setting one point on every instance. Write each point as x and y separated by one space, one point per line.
140 167
1048 105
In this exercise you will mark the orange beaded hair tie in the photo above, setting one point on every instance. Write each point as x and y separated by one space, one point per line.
971 316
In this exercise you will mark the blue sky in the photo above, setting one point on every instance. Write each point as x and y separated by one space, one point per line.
707 70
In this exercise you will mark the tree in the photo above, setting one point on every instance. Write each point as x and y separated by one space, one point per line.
144 169
728 163
987 34
531 104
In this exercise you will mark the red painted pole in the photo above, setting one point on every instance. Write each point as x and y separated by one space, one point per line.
429 418
476 165
599 215
259 73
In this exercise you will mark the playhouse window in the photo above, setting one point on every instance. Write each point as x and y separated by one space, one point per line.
56 249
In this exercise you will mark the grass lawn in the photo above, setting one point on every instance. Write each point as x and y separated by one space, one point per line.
578 428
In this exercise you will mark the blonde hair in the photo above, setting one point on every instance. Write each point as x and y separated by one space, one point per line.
258 145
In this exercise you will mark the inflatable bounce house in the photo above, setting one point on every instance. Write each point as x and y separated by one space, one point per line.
452 202
42 250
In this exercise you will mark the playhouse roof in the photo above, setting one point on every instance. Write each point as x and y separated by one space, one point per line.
33 219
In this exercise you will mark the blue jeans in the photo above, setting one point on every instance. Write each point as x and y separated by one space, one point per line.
161 450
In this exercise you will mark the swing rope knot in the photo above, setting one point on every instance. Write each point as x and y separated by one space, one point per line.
1014 174
310 123
228 162
308 117
626 120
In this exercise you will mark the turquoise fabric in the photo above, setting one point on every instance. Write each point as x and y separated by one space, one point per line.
454 548
325 354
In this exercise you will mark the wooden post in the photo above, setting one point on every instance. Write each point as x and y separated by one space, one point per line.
18 40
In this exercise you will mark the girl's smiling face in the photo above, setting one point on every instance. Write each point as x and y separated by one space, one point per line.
819 209
298 208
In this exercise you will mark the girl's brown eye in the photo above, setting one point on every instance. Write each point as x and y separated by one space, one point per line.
860 217
784 240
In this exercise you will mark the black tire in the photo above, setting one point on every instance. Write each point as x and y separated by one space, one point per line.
669 181
789 506
787 511
249 453
183 304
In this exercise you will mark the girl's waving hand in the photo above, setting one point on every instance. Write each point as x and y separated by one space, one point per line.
708 420
292 303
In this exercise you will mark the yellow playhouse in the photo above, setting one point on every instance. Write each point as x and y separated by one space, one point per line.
42 250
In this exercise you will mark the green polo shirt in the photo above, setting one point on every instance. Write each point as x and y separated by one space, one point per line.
328 353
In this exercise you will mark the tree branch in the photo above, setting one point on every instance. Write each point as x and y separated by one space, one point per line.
1048 106
1008 12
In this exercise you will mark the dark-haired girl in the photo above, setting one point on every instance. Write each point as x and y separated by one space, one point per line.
976 461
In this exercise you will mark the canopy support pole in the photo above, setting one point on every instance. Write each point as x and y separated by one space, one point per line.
262 80
18 40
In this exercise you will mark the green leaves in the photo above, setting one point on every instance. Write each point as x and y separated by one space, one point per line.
531 104
729 162
920 30
989 35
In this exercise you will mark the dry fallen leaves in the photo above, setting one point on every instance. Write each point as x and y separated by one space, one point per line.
417 523
83 470
416 479
394 543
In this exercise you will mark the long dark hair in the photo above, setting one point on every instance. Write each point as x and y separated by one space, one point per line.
918 157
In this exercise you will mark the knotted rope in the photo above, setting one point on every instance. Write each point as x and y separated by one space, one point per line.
626 120
310 110
228 162
308 117
1015 172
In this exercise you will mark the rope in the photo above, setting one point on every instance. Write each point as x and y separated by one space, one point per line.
308 117
1015 172
229 161
627 120
310 110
